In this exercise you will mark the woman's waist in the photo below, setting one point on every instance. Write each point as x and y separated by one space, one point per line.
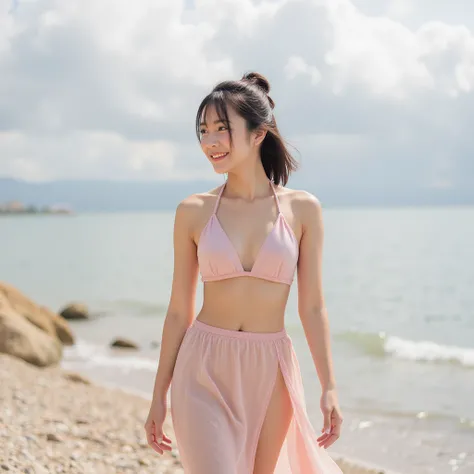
248 334
234 319
245 296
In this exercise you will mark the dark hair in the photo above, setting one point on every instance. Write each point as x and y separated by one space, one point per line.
249 97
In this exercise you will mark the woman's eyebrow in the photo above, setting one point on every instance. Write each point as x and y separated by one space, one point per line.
215 122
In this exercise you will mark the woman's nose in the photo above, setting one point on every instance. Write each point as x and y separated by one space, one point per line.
209 140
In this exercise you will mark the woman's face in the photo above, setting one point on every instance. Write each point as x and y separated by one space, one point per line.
215 140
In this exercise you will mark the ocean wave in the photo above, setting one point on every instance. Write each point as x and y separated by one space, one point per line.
435 416
382 344
87 354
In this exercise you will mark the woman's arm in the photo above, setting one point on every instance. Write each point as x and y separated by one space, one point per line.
313 315
180 313
311 305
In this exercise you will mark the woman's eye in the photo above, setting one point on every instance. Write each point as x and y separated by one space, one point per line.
221 128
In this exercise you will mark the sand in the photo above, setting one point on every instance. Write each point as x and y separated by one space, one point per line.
50 423
52 420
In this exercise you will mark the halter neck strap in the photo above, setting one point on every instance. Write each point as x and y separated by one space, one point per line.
216 205
276 197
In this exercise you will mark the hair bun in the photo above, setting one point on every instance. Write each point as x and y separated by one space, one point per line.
261 82
258 80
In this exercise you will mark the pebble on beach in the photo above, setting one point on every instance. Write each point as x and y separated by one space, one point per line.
50 423
121 342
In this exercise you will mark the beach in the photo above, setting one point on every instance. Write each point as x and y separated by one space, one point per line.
54 420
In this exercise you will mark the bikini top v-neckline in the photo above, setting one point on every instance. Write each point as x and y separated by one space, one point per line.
275 261
214 214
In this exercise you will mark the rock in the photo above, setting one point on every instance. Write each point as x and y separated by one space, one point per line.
75 311
63 331
82 421
125 343
20 304
22 339
78 378
41 316
53 437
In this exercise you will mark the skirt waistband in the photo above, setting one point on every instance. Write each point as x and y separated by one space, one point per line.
232 333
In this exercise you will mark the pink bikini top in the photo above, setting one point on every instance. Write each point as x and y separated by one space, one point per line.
276 260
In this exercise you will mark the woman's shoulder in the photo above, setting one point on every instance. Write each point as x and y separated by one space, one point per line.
306 208
299 199
199 201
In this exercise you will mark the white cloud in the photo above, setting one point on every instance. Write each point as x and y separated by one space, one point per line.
449 51
85 155
400 9
393 60
247 15
109 89
375 51
296 65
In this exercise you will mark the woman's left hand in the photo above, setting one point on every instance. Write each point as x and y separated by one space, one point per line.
332 418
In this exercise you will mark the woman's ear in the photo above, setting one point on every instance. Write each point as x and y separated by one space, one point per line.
259 136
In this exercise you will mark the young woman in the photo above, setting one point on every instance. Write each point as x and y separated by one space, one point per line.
236 393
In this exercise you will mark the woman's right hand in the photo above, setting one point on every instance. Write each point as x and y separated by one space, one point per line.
154 427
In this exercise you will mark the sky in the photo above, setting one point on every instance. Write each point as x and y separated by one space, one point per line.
371 93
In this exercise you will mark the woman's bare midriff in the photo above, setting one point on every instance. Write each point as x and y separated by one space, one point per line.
245 304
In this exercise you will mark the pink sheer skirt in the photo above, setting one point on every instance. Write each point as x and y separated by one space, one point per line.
220 391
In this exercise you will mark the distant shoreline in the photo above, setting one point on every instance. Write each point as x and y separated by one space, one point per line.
19 207
35 213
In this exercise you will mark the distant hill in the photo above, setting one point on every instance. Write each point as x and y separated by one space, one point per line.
112 196
100 195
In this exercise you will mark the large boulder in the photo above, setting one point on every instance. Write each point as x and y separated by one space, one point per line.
63 331
41 316
25 307
29 331
20 338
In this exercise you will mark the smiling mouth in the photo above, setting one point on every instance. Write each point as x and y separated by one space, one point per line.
218 156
